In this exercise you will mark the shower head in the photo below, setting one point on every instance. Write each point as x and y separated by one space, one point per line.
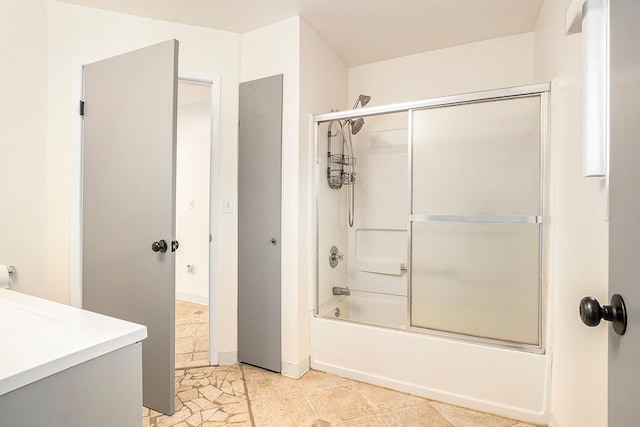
358 123
363 100
356 126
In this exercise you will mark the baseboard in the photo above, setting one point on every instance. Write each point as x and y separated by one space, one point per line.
228 357
296 370
196 299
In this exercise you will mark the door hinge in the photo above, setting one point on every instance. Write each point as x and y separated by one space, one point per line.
81 110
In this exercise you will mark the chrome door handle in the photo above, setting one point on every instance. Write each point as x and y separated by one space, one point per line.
159 246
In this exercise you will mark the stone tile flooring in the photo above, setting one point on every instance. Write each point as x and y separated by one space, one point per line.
243 395
192 335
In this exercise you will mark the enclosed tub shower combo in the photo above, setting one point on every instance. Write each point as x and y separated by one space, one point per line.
430 223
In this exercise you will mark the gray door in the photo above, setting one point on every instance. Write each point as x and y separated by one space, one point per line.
128 197
624 210
259 201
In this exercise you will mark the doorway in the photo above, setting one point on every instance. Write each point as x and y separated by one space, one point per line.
192 223
207 267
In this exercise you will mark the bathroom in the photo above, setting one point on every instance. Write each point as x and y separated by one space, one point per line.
37 208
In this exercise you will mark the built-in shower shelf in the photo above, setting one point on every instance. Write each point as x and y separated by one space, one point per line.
342 159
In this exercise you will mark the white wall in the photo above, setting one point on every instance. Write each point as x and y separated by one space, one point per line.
579 234
323 87
203 52
490 64
23 144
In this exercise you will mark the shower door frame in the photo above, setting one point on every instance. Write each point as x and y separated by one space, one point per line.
540 90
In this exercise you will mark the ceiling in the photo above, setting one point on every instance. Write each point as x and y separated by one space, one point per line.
359 31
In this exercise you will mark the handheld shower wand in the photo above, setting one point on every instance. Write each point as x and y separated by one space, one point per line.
337 176
355 126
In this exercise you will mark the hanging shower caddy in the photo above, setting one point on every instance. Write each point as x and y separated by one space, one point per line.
337 176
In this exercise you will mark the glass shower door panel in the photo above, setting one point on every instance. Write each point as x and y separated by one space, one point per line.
477 159
476 204
477 279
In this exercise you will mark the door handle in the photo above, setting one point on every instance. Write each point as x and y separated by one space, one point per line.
159 246
591 312
273 241
174 245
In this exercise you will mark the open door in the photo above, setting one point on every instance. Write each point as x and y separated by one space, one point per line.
624 210
128 203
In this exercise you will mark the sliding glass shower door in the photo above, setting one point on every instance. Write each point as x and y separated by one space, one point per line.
476 219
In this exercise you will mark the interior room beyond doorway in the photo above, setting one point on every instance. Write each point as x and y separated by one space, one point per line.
192 223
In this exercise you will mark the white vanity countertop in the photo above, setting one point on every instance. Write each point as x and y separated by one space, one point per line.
39 338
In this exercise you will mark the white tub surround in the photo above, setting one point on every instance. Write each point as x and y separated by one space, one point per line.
51 354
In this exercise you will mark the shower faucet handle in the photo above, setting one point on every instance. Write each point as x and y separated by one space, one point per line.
334 257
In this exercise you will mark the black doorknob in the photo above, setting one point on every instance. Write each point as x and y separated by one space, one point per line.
159 246
591 312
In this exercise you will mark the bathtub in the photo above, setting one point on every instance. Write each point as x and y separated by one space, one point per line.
506 382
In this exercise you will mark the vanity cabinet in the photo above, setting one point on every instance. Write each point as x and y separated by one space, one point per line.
61 366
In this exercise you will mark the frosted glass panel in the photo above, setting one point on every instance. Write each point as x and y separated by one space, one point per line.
478 279
478 159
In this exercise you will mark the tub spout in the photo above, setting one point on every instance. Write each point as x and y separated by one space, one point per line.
337 290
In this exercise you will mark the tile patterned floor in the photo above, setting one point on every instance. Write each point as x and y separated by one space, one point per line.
243 395
192 335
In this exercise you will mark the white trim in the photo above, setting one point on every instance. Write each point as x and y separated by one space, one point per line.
214 202
75 209
196 299
296 370
228 357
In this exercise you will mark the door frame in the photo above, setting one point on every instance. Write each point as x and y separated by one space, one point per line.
75 220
